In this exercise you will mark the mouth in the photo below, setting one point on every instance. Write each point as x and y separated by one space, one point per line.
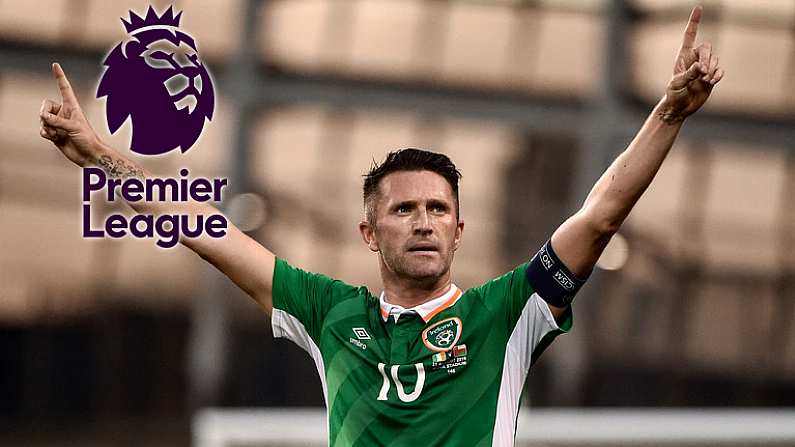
188 101
423 248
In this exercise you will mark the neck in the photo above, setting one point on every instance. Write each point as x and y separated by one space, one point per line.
409 293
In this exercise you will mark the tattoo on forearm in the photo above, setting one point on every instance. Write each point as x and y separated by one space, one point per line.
118 168
670 117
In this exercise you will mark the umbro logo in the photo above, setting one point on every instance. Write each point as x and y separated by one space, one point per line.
361 333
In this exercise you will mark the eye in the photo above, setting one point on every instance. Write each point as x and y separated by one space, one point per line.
403 209
177 83
158 54
158 59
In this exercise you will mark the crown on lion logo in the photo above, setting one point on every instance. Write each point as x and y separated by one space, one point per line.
152 19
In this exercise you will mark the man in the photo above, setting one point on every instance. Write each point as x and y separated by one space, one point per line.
424 363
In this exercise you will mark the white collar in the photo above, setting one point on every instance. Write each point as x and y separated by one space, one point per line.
426 310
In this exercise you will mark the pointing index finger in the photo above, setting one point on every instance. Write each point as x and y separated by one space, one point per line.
692 28
67 94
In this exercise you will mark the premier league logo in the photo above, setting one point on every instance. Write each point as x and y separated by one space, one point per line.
156 77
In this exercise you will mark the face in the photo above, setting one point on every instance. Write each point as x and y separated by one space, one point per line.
416 229
158 80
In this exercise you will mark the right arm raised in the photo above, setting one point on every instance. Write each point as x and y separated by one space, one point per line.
247 263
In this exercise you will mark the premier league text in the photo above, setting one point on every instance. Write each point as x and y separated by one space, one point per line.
167 228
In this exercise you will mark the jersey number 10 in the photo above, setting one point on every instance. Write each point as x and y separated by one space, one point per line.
393 370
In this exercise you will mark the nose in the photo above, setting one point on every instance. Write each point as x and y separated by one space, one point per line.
422 224
183 60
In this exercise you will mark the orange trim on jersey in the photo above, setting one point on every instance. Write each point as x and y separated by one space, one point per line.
444 305
384 315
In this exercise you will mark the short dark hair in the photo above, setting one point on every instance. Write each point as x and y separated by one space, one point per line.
409 159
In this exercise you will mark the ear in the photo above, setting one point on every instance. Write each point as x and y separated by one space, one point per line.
133 48
368 235
459 233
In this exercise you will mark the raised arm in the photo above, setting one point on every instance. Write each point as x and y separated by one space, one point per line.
580 240
247 263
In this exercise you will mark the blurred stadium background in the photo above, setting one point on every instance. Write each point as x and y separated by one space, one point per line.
116 342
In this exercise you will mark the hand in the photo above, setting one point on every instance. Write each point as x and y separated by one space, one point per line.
696 72
65 124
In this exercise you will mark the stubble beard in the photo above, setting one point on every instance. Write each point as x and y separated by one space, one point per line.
415 270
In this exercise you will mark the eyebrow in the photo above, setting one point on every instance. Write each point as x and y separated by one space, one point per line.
437 202
165 45
411 203
171 47
430 202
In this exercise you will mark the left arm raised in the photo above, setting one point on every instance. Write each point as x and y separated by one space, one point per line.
580 240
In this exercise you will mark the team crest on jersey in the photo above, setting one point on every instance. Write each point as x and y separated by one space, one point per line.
442 336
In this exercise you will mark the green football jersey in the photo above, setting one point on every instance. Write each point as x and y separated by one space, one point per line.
449 376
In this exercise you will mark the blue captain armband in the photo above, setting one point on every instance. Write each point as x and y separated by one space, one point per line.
552 280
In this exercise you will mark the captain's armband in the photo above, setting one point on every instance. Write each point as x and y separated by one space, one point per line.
551 279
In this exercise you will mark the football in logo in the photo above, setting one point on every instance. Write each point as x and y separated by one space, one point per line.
443 335
156 78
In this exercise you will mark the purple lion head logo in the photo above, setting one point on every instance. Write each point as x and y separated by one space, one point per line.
156 77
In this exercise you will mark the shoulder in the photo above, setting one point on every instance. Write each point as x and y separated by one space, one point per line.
287 276
503 284
508 291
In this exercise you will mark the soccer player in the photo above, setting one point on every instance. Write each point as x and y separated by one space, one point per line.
424 363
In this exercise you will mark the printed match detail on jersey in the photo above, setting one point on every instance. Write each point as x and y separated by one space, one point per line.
455 379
